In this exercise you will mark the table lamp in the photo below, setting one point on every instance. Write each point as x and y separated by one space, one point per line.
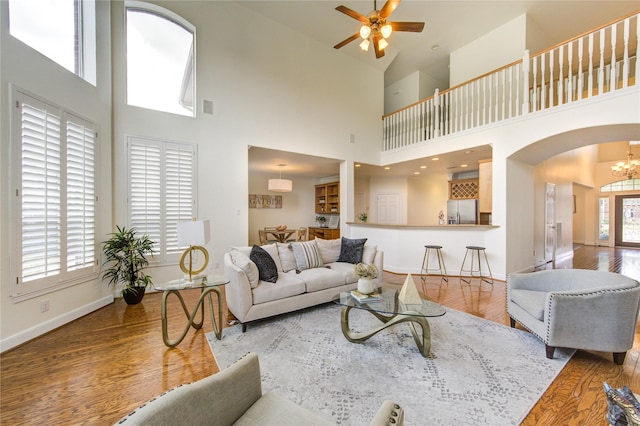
194 234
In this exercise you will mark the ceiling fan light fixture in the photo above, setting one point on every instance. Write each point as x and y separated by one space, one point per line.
386 30
382 44
364 45
365 31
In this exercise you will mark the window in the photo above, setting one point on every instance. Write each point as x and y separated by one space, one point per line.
62 30
623 185
55 154
160 59
162 188
603 218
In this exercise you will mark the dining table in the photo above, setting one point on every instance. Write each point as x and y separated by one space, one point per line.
282 236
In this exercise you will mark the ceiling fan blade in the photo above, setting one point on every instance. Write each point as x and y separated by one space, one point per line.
379 52
389 7
346 41
414 27
352 13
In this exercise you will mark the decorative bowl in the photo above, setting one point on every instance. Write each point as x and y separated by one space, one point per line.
281 227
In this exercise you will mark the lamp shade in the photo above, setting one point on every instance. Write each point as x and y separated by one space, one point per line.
194 233
280 185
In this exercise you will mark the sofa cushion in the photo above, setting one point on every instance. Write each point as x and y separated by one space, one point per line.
243 262
329 249
273 409
531 301
351 250
287 285
306 254
369 254
267 269
287 259
320 278
344 269
272 249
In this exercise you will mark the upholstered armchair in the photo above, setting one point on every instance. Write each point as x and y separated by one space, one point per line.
234 397
576 308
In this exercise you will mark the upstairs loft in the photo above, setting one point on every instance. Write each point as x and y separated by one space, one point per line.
593 64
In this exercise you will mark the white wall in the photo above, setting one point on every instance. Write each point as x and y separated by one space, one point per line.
413 88
498 47
427 196
25 68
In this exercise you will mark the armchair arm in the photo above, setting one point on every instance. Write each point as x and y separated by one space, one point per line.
389 413
601 319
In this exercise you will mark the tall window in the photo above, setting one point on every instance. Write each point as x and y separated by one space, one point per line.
55 176
162 188
160 59
603 218
62 30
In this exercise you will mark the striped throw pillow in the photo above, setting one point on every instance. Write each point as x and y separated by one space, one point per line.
307 255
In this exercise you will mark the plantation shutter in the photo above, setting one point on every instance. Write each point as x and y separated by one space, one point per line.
161 190
55 213
81 194
41 191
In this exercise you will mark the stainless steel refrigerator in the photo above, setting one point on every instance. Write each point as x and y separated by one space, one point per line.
462 211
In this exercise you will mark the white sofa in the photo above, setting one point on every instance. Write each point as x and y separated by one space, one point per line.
249 298
576 308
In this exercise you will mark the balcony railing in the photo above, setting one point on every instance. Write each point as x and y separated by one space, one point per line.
592 64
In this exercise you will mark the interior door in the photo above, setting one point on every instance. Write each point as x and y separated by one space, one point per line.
388 208
550 223
627 221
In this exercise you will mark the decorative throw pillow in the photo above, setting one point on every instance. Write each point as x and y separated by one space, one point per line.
287 259
329 249
272 249
369 253
243 262
267 270
307 255
351 250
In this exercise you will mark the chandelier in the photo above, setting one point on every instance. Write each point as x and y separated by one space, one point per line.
628 168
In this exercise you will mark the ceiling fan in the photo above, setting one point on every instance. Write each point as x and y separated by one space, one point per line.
376 27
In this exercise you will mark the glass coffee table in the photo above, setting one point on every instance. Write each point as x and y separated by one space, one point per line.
390 311
207 285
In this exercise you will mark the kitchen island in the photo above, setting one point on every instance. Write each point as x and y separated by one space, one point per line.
403 245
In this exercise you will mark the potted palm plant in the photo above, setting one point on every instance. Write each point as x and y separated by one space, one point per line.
126 257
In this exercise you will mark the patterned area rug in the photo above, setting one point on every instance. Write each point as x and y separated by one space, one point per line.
478 372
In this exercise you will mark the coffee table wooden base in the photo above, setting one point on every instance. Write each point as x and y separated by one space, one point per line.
423 340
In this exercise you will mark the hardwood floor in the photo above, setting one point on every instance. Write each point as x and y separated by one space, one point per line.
99 367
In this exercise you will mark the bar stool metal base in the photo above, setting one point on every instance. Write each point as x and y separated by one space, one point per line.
441 269
475 268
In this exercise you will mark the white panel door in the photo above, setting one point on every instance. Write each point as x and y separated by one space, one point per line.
388 208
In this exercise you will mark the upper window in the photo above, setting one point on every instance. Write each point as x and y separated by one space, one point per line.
55 154
623 185
160 59
62 30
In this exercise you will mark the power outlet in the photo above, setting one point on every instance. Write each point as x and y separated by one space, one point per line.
44 306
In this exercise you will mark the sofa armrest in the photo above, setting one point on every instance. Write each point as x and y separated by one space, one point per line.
225 396
378 260
389 413
238 292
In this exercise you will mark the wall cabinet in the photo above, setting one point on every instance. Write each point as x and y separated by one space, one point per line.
324 233
327 198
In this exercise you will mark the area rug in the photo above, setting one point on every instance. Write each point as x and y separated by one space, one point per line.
478 372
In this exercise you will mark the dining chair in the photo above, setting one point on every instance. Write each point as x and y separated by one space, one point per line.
268 238
263 236
301 234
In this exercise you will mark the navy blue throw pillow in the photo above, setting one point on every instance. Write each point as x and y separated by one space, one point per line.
351 250
267 270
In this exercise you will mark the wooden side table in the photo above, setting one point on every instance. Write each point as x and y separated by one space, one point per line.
207 286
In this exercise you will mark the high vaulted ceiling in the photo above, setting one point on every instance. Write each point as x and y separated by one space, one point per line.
450 24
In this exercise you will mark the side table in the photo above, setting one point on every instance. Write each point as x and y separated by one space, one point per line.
207 286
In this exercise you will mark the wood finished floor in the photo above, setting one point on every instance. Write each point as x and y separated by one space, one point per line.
97 368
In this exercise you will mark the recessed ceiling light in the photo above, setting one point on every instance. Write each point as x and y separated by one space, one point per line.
468 151
423 167
435 47
463 165
435 159
416 173
357 165
387 168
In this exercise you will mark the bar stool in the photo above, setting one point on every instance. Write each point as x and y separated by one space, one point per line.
472 271
440 270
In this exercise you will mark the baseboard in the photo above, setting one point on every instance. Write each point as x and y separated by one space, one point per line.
52 324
